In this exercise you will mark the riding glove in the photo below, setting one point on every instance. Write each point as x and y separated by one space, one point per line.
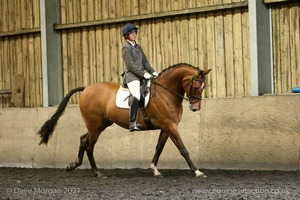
147 75
155 74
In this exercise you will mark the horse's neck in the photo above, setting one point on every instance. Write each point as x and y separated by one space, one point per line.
173 82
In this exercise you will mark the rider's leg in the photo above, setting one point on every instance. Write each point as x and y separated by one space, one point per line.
134 88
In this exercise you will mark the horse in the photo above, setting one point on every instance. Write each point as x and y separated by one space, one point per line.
99 111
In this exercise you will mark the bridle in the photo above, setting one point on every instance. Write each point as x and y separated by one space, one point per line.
191 83
190 96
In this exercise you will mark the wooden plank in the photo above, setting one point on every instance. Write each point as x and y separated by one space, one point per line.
291 15
25 53
31 73
36 11
114 69
135 7
158 45
84 45
176 32
115 74
246 52
106 56
148 16
142 7
285 51
91 41
152 45
38 70
219 53
99 53
105 11
210 43
277 1
192 41
71 51
184 54
119 10
20 32
5 21
120 62
105 41
11 15
275 48
24 6
10 51
6 91
294 28
228 39
297 44
237 54
17 99
99 44
37 55
64 43
112 9
25 56
201 27
30 14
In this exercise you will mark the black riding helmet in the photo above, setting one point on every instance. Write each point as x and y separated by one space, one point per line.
127 28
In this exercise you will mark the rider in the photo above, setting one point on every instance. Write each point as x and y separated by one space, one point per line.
136 64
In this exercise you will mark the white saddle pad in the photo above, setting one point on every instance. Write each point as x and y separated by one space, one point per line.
122 98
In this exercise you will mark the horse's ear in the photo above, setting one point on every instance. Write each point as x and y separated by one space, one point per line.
207 71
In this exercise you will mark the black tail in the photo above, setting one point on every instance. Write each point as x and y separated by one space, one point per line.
47 129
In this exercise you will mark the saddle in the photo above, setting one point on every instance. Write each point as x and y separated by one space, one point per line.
124 99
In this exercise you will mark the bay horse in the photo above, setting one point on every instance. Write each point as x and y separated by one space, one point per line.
99 111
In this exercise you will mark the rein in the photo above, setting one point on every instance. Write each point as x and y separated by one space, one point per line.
172 91
199 98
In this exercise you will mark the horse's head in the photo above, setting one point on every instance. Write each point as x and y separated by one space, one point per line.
194 89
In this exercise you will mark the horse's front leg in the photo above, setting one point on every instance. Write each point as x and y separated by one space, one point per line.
163 137
174 134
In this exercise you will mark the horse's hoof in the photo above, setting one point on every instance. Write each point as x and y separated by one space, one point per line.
98 175
158 176
70 168
201 176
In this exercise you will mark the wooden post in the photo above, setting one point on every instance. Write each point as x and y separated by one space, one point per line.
17 98
51 53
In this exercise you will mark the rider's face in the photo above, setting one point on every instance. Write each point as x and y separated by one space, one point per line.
132 35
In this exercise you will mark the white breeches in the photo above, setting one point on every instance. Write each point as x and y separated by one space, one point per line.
134 88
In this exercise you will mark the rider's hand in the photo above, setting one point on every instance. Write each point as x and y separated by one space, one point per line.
155 74
147 75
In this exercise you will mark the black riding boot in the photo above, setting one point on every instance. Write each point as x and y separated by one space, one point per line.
132 114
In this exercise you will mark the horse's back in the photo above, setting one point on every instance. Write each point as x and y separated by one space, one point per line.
102 89
98 94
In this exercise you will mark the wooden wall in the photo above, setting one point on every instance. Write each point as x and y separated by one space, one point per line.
20 51
286 46
207 34
207 39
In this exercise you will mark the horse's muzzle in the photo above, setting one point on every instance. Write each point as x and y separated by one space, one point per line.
195 107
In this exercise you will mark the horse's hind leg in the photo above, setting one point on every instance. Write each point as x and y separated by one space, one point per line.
82 148
91 141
